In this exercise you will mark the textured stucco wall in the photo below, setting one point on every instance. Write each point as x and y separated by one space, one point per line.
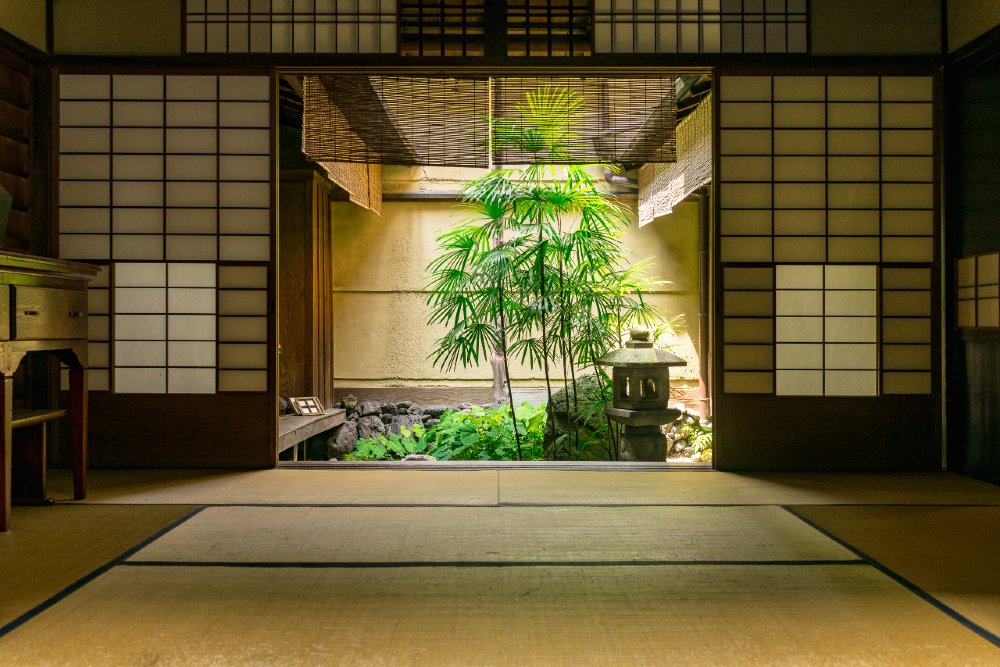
117 27
885 27
381 335
25 20
968 19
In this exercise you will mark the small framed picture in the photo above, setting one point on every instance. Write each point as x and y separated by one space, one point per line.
306 405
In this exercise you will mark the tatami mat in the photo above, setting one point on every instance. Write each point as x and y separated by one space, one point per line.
697 488
492 534
49 548
286 486
622 615
953 553
488 487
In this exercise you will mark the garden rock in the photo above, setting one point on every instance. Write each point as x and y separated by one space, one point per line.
344 441
413 410
387 419
435 410
419 457
397 422
403 406
586 385
389 408
369 426
370 408
432 422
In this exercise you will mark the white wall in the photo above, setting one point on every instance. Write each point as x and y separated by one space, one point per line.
381 335
25 19
968 19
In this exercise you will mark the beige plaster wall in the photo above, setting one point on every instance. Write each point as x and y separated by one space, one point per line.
881 27
117 27
25 19
381 336
968 19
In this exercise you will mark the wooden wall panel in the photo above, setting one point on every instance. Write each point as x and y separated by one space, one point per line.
824 433
971 229
305 287
181 431
15 147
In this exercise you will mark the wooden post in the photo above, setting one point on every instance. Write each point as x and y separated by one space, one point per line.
7 414
78 428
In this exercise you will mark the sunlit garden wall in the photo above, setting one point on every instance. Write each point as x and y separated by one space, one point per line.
381 335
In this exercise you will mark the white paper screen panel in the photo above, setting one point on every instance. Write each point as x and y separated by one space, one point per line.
290 26
99 333
907 349
243 308
162 343
165 148
978 295
164 171
700 26
748 333
822 176
826 338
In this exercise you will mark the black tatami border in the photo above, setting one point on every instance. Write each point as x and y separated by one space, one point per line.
86 579
367 505
901 580
389 565
862 558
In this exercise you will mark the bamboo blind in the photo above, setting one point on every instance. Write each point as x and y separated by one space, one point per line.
395 120
445 121
663 186
363 182
621 120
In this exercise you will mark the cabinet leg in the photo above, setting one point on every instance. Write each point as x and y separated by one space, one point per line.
78 428
6 412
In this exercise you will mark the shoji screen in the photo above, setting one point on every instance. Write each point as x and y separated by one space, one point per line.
700 26
978 302
826 230
291 26
166 180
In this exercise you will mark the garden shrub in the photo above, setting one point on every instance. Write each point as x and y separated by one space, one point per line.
481 434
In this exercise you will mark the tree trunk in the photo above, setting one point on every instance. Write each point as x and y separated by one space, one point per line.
498 361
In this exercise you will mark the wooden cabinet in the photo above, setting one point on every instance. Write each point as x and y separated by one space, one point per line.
43 308
42 313
305 287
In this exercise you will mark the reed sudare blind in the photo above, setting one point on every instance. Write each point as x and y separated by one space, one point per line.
446 120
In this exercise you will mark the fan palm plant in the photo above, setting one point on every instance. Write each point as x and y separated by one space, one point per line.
535 269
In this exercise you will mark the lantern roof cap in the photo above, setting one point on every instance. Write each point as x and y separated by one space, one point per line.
640 353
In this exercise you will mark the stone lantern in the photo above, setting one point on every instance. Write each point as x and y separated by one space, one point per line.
640 377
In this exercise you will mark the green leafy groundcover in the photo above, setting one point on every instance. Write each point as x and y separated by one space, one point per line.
481 434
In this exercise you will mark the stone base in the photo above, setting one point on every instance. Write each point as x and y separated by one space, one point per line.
643 443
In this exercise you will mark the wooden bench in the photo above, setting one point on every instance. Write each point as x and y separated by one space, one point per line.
296 429
29 485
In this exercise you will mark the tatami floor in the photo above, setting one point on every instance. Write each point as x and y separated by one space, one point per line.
504 567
